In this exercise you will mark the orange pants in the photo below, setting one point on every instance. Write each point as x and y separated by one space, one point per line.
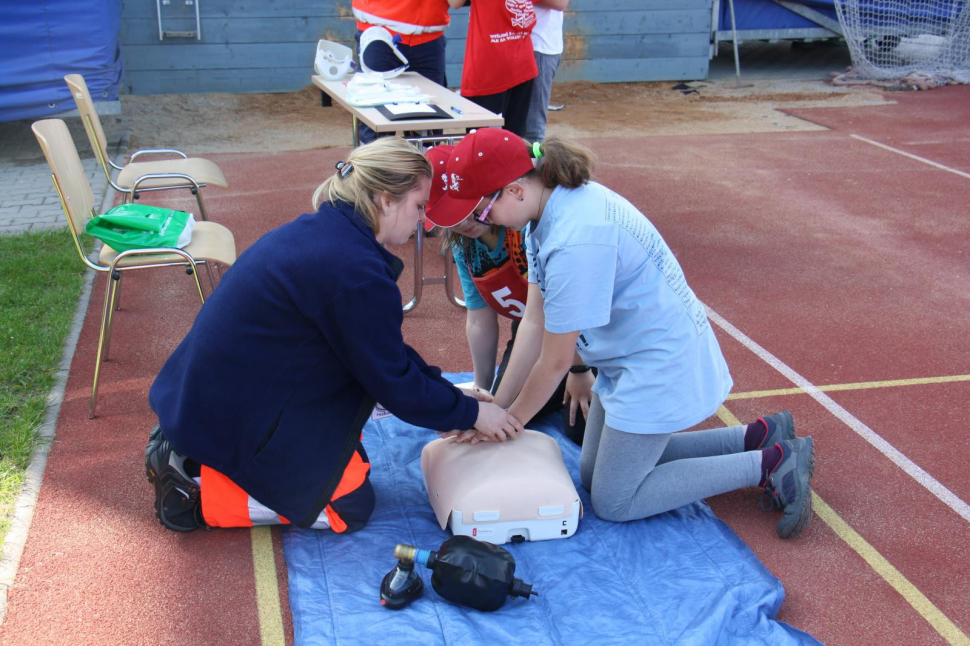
226 504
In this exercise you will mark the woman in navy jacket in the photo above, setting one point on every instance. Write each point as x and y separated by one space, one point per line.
274 382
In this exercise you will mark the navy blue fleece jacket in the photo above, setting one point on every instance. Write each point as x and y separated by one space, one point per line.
281 368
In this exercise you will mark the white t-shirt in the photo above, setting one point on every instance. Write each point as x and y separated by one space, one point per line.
604 270
547 32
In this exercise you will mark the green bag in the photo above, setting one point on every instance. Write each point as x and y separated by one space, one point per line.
139 226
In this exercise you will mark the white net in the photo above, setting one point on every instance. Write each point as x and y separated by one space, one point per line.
890 39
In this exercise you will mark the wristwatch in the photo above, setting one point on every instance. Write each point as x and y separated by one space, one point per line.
578 369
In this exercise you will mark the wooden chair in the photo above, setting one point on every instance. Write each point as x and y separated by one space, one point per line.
212 244
137 177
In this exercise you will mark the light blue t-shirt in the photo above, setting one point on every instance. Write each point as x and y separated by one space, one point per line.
604 270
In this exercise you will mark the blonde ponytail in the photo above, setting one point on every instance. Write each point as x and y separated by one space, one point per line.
389 166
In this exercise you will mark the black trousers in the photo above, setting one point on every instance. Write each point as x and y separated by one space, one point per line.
575 431
512 104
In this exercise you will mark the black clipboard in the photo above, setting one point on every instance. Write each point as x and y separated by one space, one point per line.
414 116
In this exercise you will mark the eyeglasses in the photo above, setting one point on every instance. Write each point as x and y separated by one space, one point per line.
482 218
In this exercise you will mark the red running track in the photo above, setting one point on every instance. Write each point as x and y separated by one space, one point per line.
845 261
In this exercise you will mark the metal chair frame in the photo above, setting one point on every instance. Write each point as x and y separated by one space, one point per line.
112 288
129 195
88 114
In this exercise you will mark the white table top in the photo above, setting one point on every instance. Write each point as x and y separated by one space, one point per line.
472 115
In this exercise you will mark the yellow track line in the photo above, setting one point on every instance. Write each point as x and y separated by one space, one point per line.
863 385
267 589
926 609
892 576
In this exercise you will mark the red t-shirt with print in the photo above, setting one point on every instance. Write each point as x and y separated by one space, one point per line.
498 52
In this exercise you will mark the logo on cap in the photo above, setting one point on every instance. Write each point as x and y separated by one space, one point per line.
455 178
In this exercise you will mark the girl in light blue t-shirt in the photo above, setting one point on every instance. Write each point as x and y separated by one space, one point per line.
606 290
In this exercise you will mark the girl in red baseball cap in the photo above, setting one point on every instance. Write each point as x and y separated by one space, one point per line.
606 290
493 271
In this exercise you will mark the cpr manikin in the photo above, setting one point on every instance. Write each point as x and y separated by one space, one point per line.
501 491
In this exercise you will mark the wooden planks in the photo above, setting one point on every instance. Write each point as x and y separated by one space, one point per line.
250 46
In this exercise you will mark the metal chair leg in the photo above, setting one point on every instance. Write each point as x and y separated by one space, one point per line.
115 285
212 280
198 198
194 272
117 296
97 360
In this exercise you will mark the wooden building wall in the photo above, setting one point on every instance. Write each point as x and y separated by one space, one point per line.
268 46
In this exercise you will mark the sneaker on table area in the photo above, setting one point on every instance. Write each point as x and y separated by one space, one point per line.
177 500
788 486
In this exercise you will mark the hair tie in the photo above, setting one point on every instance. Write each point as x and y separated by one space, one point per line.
536 149
345 168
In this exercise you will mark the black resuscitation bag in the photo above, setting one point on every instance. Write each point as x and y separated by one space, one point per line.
465 571
476 574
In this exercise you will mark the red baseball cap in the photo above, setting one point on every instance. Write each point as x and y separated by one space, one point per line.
441 209
482 163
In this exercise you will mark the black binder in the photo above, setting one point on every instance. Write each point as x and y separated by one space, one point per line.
412 116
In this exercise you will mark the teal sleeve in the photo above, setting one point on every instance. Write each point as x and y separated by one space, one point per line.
473 300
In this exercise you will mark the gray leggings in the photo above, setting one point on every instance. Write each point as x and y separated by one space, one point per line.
632 476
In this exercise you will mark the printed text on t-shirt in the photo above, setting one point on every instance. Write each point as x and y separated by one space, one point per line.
618 212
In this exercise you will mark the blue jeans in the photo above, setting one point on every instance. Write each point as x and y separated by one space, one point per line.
427 59
535 122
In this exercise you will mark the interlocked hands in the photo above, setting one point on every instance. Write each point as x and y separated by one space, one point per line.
494 424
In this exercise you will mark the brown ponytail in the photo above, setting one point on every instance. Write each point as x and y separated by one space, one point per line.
564 163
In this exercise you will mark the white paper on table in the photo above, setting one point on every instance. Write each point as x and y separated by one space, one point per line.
410 108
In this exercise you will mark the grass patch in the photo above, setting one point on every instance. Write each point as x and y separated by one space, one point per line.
41 278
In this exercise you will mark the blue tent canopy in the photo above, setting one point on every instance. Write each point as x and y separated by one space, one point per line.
765 14
41 41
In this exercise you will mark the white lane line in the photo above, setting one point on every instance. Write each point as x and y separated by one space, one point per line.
935 487
912 156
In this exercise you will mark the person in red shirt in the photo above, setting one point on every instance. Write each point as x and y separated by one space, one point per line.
499 64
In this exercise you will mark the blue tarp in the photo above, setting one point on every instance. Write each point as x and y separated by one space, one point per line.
765 14
42 41
679 578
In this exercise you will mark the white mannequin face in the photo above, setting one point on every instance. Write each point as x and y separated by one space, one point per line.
399 218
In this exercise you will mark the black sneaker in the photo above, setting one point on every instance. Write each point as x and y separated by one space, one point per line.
178 504
781 426
788 486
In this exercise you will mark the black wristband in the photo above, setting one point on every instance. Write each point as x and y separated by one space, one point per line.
578 369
